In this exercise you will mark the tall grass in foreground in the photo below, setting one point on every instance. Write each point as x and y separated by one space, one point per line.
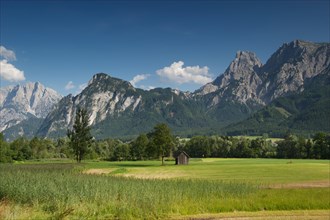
60 190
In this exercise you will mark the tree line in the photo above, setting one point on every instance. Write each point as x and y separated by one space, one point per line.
159 144
145 147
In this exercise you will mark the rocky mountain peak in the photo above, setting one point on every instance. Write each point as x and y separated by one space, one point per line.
239 82
292 53
98 78
247 56
243 61
246 79
20 102
288 68
303 44
104 82
299 43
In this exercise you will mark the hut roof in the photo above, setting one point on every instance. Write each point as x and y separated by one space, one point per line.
177 153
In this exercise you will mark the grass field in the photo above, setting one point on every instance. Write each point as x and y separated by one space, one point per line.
206 188
256 137
258 171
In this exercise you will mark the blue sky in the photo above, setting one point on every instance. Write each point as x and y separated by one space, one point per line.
178 44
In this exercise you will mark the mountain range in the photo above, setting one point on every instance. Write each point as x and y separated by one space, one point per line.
23 107
289 92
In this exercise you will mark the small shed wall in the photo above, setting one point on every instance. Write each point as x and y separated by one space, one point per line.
182 159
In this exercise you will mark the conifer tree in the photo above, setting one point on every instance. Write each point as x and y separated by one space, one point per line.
80 136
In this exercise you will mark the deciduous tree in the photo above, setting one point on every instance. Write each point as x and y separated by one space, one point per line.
139 146
163 140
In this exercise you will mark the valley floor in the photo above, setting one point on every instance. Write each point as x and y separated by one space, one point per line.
210 188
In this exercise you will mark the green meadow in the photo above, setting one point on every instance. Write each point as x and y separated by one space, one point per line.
206 188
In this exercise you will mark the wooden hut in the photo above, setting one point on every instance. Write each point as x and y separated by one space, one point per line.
182 158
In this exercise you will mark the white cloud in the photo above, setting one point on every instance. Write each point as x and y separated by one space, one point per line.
69 86
190 74
9 72
139 78
7 54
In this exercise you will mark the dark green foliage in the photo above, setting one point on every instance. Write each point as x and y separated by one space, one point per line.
144 147
214 146
261 148
42 148
5 151
321 148
197 147
139 147
122 152
21 149
80 137
162 140
297 147
290 148
62 148
105 149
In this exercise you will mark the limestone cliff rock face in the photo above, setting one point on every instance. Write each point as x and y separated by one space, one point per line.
239 82
107 98
103 97
288 68
247 80
18 103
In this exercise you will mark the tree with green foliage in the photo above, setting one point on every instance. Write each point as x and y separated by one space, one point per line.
121 152
38 148
321 146
291 147
163 140
80 136
62 148
308 149
5 153
198 147
20 149
139 146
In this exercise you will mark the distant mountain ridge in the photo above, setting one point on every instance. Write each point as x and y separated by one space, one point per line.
117 109
247 79
24 102
115 106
